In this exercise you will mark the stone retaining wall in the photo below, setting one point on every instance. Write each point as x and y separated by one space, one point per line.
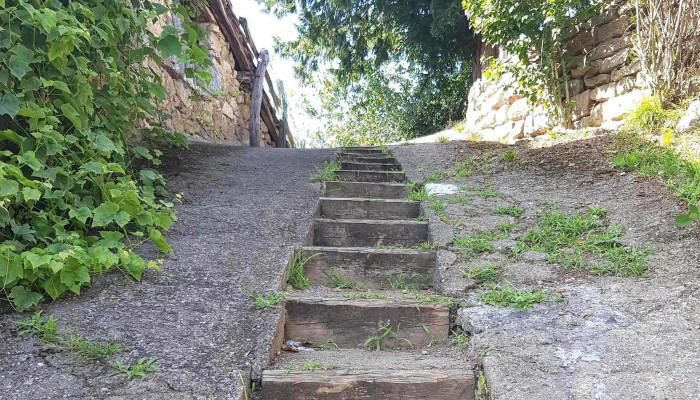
221 117
604 84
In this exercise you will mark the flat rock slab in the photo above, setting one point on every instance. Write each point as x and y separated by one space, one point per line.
360 208
369 233
375 384
370 176
349 323
369 267
367 159
367 190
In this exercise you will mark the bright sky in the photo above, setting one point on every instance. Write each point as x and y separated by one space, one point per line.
264 28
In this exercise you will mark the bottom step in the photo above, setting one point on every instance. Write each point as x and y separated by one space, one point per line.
372 384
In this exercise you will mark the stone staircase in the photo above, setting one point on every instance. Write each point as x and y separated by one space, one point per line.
367 233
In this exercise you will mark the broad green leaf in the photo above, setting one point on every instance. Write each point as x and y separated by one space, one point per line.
31 194
74 277
9 105
111 240
29 158
19 66
11 136
53 286
24 299
80 213
93 166
158 239
32 110
103 143
169 45
683 220
108 212
10 270
132 263
34 261
72 114
142 152
8 187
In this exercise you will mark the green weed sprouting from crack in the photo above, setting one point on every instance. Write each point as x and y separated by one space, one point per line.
481 388
138 370
509 155
508 296
459 340
417 192
45 329
428 246
269 301
417 297
366 296
328 344
91 349
337 281
386 332
485 274
514 211
431 337
476 244
572 240
311 365
296 279
328 172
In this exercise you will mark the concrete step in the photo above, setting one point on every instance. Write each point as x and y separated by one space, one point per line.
371 176
367 190
370 267
369 233
361 166
370 384
364 150
349 323
367 159
363 208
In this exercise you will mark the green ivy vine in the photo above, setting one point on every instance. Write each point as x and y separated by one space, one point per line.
77 89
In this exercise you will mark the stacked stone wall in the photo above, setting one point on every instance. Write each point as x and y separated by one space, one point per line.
604 83
219 113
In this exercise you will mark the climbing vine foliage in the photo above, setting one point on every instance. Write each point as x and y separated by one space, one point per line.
76 82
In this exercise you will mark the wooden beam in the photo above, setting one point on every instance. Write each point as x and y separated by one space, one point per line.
256 100
233 36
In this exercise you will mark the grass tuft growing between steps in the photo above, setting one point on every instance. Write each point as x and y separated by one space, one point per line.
508 296
585 241
327 173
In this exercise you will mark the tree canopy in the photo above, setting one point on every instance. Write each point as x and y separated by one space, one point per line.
426 46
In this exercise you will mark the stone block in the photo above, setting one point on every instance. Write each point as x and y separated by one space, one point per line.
626 85
607 65
605 17
582 106
613 29
604 93
576 87
582 43
691 120
581 71
626 70
616 108
537 123
597 80
518 110
502 114
610 47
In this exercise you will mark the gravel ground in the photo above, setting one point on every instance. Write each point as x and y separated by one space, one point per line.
243 212
613 337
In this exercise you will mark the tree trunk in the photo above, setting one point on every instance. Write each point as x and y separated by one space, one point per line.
256 99
282 139
482 54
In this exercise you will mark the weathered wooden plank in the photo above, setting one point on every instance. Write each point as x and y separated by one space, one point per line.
349 323
369 267
371 384
367 189
369 233
371 176
364 208
369 166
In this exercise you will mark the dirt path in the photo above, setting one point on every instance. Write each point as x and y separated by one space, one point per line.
243 212
613 337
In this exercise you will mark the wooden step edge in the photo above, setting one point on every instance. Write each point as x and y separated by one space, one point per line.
366 250
372 221
368 199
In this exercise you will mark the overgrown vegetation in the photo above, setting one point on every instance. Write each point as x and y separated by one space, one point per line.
46 329
514 211
490 273
508 296
584 242
386 333
327 173
75 84
296 279
476 244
